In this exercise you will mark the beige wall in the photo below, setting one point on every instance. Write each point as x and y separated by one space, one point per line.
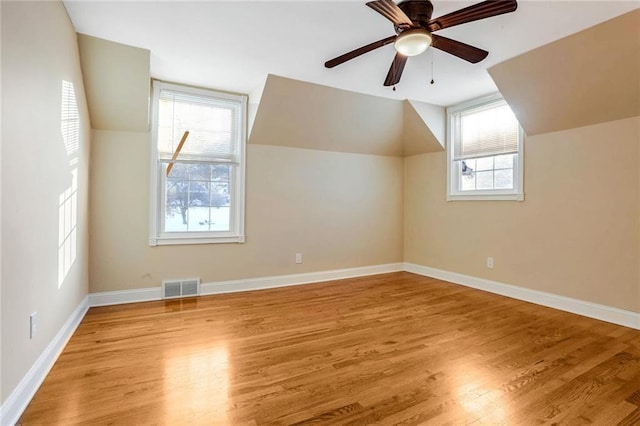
589 77
576 234
423 128
39 53
319 182
340 210
118 84
305 115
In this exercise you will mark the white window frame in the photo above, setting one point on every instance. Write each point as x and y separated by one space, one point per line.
236 232
453 167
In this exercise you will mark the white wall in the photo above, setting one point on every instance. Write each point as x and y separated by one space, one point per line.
39 61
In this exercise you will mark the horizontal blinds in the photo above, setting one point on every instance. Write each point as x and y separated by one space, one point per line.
213 125
486 131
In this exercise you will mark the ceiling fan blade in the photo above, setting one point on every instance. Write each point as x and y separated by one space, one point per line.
459 49
390 10
486 9
395 72
360 51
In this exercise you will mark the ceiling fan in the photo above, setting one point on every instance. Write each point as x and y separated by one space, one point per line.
414 31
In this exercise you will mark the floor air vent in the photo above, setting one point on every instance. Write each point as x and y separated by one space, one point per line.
180 288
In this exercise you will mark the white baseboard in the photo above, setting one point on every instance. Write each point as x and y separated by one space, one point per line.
219 287
581 307
233 286
125 296
568 304
17 401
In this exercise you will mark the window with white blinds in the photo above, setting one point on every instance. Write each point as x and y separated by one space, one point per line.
485 131
213 124
197 165
485 151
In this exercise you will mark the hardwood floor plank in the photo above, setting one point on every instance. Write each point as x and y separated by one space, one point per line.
632 419
634 398
387 349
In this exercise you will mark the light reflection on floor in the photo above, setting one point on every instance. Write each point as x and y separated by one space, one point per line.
196 381
476 396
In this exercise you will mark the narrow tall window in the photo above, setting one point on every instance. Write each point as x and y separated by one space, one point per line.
198 165
485 151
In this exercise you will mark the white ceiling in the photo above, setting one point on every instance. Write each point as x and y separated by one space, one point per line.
233 45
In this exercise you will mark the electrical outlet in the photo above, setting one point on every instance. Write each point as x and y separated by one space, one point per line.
33 325
490 262
298 257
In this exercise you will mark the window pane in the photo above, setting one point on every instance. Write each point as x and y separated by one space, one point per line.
220 205
177 202
198 198
199 193
219 218
504 179
484 163
504 161
484 180
468 183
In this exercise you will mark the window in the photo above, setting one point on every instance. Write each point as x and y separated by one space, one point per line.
197 166
485 151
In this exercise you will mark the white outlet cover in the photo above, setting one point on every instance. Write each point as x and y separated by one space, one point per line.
33 325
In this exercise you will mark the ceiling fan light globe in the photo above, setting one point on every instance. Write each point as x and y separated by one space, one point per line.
413 42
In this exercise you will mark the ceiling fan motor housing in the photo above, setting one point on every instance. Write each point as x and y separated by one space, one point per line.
419 11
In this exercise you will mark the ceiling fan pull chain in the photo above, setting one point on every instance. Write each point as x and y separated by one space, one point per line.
394 88
432 80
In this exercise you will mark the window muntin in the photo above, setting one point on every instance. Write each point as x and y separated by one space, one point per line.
201 199
485 146
197 198
486 173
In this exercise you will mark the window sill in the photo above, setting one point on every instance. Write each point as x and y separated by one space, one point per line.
169 241
485 197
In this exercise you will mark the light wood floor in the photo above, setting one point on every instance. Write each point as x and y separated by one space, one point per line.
388 349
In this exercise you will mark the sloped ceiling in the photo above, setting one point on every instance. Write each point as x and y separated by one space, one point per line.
282 112
117 82
423 128
306 115
587 78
